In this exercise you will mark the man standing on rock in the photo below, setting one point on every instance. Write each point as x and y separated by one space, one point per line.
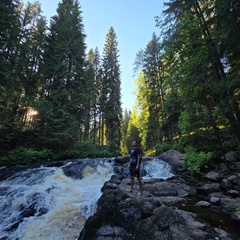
134 166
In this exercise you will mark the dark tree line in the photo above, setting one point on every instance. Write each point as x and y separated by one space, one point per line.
52 94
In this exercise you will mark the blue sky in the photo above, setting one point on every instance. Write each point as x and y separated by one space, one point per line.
133 22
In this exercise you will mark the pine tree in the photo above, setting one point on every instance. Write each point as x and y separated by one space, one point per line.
112 111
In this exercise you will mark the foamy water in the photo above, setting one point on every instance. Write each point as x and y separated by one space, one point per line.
69 202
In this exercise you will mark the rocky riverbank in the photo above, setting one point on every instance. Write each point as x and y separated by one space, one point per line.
180 208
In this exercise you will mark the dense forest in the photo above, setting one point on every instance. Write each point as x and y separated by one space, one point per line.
56 98
59 101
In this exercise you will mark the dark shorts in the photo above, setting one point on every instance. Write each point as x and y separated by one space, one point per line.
133 171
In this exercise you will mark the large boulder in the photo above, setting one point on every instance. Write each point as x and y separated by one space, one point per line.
165 223
175 159
122 159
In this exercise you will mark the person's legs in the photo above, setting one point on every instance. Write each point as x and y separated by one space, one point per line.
132 183
136 172
132 173
139 182
140 186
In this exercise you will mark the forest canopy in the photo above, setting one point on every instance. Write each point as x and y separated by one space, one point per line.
188 86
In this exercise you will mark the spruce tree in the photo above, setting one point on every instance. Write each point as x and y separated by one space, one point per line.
93 61
150 62
112 91
21 43
64 100
124 132
10 92
133 133
33 26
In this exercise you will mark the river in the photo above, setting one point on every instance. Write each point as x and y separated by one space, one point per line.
45 203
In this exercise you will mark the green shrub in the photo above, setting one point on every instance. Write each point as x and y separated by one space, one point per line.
195 161
70 154
23 155
202 140
103 153
178 146
229 145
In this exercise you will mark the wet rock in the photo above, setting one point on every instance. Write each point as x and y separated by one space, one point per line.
226 184
119 170
112 183
122 159
229 205
172 187
28 213
165 223
109 185
235 179
230 156
208 188
233 193
234 166
150 205
163 192
54 164
236 216
165 216
223 235
6 172
197 229
214 176
203 204
13 226
111 232
215 200
115 179
76 170
42 211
